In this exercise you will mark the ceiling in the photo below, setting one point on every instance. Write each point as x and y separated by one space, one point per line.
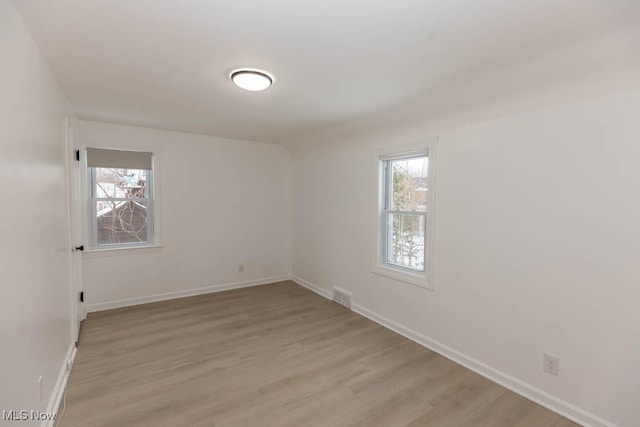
165 64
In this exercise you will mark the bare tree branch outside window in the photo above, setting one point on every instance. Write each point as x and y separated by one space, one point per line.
122 205
409 194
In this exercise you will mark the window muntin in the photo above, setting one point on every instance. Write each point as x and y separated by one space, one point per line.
121 207
404 213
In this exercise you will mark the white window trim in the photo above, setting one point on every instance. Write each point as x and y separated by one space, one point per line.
104 250
127 250
379 265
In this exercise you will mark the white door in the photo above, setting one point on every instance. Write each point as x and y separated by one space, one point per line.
75 226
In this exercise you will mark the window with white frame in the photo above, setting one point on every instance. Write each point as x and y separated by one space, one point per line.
405 208
121 198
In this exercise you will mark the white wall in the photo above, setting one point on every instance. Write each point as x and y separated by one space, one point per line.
35 298
537 241
222 203
537 235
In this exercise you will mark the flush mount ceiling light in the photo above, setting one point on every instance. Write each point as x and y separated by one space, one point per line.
251 79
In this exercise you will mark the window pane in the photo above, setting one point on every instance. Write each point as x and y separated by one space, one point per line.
122 222
406 240
121 183
409 184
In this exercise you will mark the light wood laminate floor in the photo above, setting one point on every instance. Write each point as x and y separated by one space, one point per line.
274 355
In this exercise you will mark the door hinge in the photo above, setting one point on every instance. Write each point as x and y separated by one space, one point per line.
82 296
78 155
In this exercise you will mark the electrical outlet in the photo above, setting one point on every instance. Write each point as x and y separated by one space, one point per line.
39 389
551 364
241 268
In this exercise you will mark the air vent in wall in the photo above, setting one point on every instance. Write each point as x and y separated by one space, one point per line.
342 297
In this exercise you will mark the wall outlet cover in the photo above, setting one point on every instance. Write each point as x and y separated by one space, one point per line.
551 364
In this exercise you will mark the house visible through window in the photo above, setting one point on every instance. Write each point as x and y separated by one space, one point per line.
121 198
405 207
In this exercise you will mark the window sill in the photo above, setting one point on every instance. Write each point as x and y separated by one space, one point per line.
418 280
126 251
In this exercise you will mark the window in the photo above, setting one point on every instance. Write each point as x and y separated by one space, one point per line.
405 216
121 198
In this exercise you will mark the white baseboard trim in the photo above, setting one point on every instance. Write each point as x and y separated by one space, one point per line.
543 398
60 387
90 308
317 289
